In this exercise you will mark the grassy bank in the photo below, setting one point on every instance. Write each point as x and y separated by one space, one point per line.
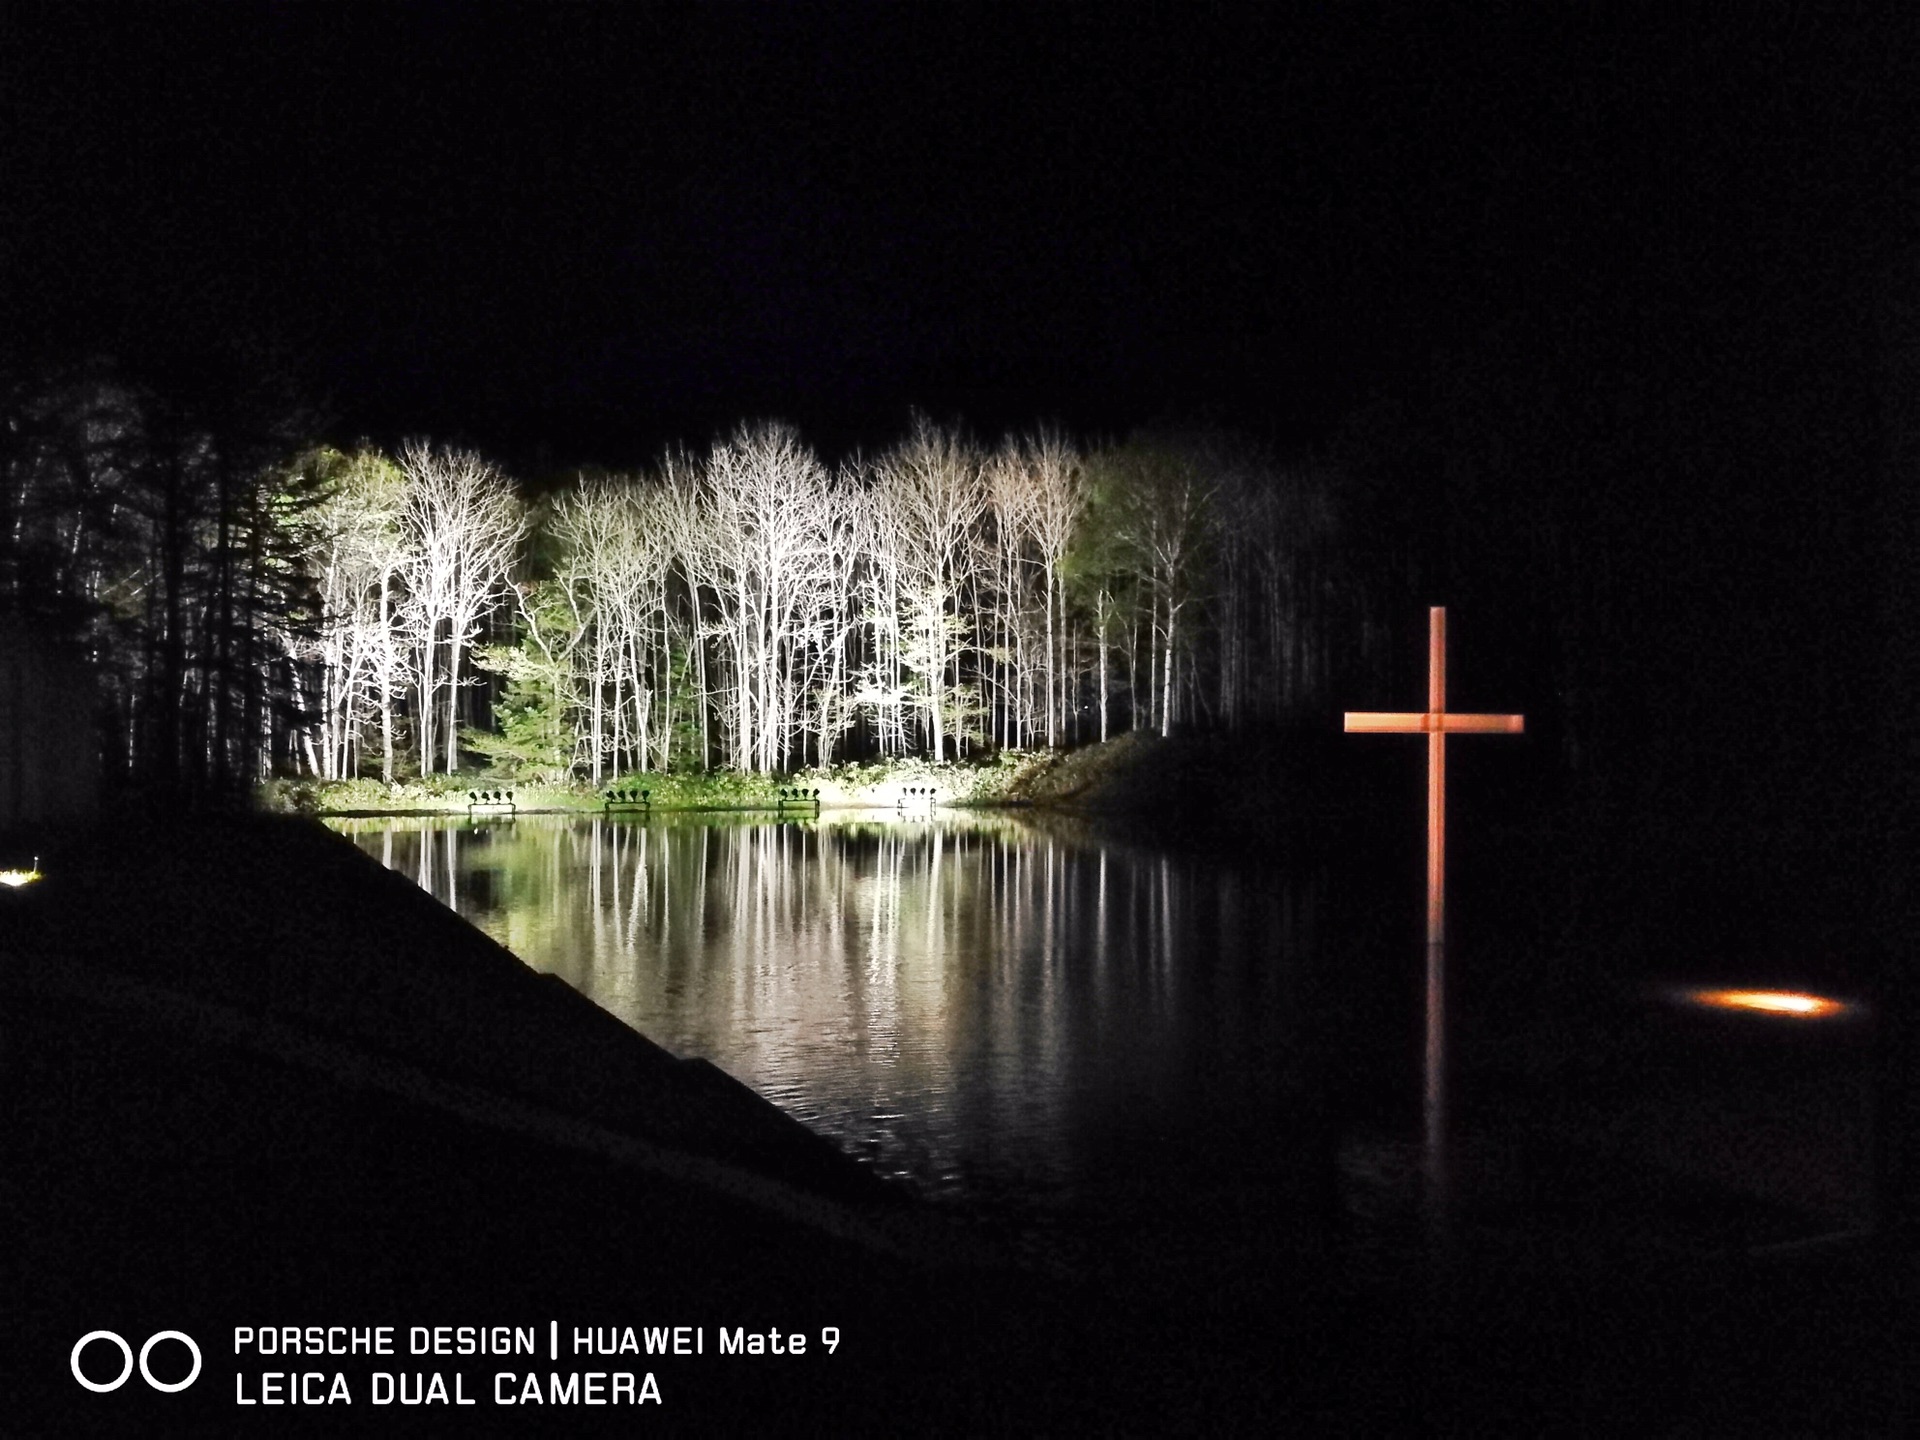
1184 786
993 781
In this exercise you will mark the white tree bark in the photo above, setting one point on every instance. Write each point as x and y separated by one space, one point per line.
932 491
465 525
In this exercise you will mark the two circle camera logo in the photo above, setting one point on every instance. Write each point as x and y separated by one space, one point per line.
126 1355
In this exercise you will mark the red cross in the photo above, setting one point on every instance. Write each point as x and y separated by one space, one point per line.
1436 723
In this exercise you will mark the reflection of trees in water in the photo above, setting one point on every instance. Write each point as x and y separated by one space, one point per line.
960 998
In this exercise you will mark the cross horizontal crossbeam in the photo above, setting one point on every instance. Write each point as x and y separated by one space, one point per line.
1447 721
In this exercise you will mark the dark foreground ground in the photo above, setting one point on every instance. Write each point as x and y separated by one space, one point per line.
252 1080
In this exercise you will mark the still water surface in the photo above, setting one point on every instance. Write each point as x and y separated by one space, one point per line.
992 1010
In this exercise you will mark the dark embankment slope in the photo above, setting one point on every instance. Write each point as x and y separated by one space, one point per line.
281 930
254 1079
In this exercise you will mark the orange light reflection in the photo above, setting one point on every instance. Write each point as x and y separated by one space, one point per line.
1772 1002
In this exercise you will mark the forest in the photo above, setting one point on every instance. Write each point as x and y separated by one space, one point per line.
255 603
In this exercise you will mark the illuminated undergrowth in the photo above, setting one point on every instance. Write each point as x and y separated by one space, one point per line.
1005 778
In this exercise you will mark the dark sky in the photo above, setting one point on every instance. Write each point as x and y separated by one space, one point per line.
579 232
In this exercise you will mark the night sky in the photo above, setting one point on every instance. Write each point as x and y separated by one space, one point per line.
575 233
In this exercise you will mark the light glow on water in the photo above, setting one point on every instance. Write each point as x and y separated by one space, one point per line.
1770 1002
978 1005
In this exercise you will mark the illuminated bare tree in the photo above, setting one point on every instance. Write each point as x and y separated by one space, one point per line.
768 514
632 578
878 684
463 526
1040 490
931 490
584 527
354 548
619 539
684 522
1010 501
834 620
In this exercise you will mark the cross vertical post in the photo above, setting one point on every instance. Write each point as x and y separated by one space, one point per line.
1436 777
1436 722
1434 1109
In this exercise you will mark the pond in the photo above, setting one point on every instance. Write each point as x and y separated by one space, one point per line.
1002 1012
1095 1038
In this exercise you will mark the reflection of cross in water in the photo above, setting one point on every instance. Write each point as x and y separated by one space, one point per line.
1436 723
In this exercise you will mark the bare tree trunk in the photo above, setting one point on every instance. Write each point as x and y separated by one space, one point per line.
1101 623
1166 674
597 736
1053 733
700 665
453 701
617 715
386 692
428 692
641 696
1153 660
